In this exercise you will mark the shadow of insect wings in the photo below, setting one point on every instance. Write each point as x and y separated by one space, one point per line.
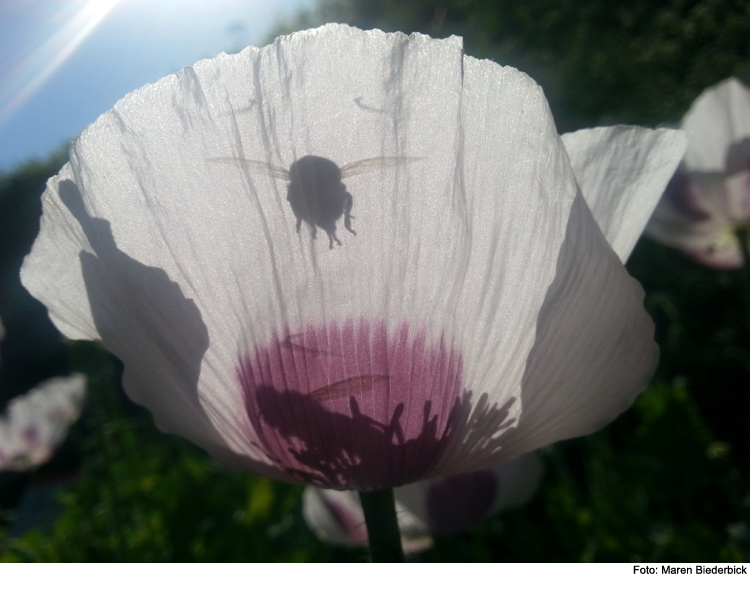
315 190
348 387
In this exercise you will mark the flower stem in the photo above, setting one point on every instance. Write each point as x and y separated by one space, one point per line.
382 527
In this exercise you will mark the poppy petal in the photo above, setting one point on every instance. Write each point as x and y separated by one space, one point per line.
622 172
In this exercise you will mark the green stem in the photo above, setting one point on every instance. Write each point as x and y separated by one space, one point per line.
382 527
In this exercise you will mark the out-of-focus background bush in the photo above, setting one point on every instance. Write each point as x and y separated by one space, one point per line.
668 481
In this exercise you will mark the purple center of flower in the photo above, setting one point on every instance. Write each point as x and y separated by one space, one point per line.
353 406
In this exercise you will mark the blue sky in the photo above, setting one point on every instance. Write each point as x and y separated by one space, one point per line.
65 62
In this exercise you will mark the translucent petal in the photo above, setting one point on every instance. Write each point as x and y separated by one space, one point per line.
622 172
61 276
592 353
98 292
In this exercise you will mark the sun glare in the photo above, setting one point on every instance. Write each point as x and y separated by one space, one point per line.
42 61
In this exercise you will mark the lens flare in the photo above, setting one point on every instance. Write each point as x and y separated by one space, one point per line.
79 19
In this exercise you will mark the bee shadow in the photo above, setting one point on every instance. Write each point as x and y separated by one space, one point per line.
317 196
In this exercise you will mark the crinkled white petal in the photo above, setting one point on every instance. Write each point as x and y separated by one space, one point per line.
61 276
170 238
35 423
622 172
719 122
97 292
593 351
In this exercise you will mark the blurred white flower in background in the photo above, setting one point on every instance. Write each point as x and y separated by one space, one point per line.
708 199
36 423
454 305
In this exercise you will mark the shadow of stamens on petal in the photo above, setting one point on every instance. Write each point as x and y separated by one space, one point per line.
350 449
380 408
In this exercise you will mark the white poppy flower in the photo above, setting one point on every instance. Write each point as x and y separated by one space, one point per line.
35 424
440 505
709 197
452 306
